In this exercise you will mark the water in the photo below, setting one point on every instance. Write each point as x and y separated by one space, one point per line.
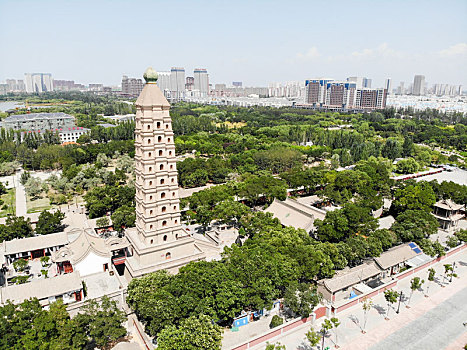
5 106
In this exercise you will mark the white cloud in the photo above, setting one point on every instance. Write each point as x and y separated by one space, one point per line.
312 53
454 50
381 51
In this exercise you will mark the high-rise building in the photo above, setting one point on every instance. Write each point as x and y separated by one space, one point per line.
366 83
177 83
201 80
164 83
158 241
237 84
418 85
371 98
387 85
131 86
361 82
38 82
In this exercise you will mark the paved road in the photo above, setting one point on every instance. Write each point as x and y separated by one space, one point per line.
434 330
21 208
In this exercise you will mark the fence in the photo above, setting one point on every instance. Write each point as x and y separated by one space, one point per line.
320 312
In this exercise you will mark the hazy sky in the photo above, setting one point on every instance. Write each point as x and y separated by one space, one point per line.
256 42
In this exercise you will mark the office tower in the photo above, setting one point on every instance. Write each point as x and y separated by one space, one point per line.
177 83
190 83
387 85
131 86
418 85
401 88
201 81
366 83
158 241
38 82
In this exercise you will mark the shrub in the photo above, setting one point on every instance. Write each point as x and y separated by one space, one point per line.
276 321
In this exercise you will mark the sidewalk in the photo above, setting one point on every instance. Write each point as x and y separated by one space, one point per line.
349 332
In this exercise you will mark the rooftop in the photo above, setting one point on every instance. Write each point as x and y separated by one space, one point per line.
397 255
33 243
42 288
448 204
350 277
32 116
292 213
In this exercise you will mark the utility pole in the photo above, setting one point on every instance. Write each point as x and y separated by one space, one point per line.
399 306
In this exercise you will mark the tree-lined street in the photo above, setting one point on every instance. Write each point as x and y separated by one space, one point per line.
432 322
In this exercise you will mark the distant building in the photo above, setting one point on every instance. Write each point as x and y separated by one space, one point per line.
72 134
15 85
371 98
39 121
237 84
201 80
328 93
177 83
401 88
3 89
361 82
67 85
131 86
387 85
418 85
96 87
38 82
190 83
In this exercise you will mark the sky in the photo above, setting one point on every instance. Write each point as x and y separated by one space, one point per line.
253 41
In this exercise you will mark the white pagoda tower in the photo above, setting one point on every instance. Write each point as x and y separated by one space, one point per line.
158 241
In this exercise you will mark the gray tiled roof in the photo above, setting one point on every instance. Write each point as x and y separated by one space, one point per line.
43 288
31 116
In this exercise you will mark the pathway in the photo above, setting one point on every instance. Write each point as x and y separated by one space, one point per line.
432 331
21 208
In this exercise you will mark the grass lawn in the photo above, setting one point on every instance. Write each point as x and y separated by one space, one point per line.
38 205
9 199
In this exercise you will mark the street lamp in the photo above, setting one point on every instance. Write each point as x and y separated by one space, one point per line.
452 271
399 306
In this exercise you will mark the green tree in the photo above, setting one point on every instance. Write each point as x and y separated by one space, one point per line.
391 297
326 326
418 196
49 223
103 221
230 211
276 346
301 299
414 225
276 321
407 166
431 278
313 337
452 241
415 283
20 264
193 333
335 323
367 304
102 322
123 217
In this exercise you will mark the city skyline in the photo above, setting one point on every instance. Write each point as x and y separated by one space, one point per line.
286 43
